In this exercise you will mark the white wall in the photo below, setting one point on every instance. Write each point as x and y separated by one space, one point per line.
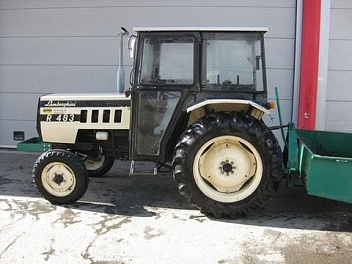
339 80
49 46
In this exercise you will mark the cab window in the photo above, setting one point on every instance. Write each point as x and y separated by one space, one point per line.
233 62
167 60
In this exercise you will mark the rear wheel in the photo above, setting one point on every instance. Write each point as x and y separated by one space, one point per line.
60 176
228 164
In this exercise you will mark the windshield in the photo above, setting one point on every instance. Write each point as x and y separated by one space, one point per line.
167 60
233 62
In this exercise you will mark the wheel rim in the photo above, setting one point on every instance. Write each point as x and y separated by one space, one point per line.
227 169
58 179
94 165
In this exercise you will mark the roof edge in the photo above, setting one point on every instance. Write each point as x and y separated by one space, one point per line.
240 29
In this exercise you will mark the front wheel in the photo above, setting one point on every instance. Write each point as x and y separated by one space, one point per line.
98 167
60 176
228 164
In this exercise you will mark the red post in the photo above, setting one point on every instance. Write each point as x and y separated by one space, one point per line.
309 64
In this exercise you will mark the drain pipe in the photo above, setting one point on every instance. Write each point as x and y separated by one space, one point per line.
309 64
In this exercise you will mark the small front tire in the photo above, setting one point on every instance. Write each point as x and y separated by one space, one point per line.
60 177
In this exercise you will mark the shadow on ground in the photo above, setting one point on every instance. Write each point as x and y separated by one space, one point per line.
148 196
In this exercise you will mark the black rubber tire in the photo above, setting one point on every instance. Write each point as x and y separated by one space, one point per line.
70 162
103 169
232 124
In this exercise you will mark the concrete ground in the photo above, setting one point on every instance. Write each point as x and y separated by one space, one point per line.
143 219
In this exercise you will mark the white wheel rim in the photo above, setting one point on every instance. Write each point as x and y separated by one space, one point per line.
58 179
227 169
94 165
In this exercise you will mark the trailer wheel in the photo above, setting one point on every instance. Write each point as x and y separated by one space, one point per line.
100 166
228 164
60 176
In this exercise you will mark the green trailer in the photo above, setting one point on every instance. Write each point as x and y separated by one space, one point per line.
321 161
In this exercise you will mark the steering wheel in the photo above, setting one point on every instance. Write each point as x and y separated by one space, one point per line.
225 85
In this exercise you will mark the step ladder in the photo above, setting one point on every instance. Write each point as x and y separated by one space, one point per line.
134 172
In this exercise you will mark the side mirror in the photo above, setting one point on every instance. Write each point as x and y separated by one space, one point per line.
131 45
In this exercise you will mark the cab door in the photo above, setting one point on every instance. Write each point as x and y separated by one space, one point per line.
165 74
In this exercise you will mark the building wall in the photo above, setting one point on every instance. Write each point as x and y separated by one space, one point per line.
51 46
339 78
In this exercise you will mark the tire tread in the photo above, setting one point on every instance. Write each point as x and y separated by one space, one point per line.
226 122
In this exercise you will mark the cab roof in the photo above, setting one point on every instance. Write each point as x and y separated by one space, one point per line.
228 29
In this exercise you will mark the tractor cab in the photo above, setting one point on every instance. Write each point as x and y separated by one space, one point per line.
177 68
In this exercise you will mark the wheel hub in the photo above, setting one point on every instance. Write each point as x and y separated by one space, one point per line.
227 167
58 179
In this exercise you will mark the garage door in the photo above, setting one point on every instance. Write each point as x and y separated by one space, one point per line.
72 46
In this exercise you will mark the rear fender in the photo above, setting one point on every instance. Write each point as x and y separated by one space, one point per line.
218 105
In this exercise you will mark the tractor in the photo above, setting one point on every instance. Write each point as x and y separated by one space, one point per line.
196 105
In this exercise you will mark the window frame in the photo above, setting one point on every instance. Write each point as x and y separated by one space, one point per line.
159 35
206 86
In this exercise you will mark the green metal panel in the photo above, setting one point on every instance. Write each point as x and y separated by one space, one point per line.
326 143
292 165
33 145
330 178
325 163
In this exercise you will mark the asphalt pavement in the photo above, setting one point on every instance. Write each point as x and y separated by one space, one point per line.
143 219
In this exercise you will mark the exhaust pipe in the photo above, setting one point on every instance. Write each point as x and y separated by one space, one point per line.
120 74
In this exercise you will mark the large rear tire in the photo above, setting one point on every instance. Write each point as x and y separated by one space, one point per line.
60 176
228 164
